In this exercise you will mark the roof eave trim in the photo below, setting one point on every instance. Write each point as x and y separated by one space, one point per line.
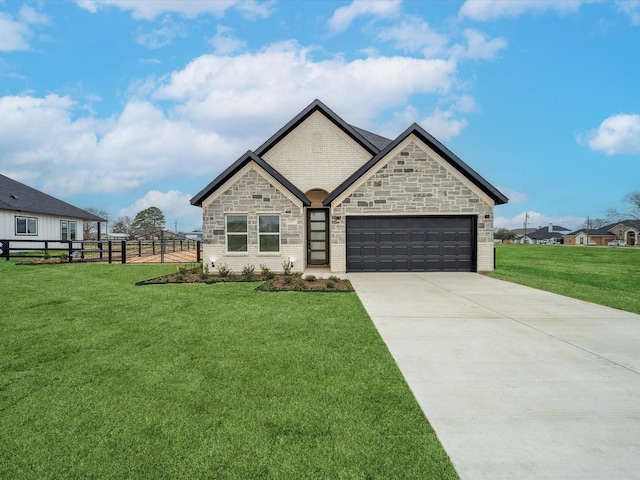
316 105
235 167
433 143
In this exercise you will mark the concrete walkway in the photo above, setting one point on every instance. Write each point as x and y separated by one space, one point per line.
517 383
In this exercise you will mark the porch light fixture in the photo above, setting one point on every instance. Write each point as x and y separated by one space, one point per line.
291 260
213 261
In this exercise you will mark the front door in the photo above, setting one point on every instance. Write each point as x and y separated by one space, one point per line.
318 236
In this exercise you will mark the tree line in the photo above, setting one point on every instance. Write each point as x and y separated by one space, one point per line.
146 222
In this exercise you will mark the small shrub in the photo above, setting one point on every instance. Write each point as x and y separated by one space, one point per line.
311 278
288 279
300 285
64 257
248 272
204 272
223 270
266 273
334 279
46 255
330 284
287 266
183 270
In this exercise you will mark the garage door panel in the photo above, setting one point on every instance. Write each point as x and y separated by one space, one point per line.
419 243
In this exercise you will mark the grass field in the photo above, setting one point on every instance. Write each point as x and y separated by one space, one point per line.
102 379
609 275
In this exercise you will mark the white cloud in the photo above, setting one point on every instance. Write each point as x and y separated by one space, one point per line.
443 124
224 94
630 8
149 10
344 16
163 36
484 10
224 42
13 35
618 134
32 17
108 155
413 34
478 47
175 206
537 220
513 195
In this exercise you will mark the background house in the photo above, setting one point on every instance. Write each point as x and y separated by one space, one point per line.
542 235
625 230
29 214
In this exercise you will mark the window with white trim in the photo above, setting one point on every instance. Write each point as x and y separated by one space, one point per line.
68 230
26 226
269 233
237 233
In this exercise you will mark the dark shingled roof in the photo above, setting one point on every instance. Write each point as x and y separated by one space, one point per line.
235 167
18 197
379 141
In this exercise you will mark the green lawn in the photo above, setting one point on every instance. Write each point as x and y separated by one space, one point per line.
102 379
605 275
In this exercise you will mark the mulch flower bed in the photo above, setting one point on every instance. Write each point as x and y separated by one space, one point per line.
273 282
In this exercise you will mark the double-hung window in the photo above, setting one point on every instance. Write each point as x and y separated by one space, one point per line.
237 233
269 233
68 230
26 226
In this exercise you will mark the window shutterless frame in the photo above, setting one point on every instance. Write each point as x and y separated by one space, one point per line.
68 230
236 233
268 233
26 226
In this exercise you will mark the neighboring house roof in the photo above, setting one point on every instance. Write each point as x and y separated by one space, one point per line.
18 197
439 148
379 141
235 167
544 234
607 229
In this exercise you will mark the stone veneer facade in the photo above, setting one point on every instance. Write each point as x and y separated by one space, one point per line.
251 192
415 181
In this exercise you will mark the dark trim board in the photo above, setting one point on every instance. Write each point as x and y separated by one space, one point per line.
434 243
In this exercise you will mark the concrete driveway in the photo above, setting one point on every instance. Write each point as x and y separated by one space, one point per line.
517 383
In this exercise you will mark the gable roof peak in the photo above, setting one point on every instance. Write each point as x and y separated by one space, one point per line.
314 106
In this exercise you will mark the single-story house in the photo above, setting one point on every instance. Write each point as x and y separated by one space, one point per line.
29 214
543 235
322 193
624 230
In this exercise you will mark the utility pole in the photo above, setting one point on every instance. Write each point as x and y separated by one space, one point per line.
588 226
524 238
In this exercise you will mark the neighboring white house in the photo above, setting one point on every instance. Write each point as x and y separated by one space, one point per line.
29 214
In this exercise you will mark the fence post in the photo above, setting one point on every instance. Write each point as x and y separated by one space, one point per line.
139 248
70 250
124 251
5 249
109 251
198 256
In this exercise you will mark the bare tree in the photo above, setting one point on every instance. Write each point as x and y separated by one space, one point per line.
595 223
632 201
90 229
123 225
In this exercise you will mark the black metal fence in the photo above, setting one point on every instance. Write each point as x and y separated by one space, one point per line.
110 251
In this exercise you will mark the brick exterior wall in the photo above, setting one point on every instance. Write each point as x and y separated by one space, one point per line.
415 181
317 154
249 192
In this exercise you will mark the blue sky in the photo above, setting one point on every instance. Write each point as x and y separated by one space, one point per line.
121 105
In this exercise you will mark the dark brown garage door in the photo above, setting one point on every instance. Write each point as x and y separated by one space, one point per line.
406 244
